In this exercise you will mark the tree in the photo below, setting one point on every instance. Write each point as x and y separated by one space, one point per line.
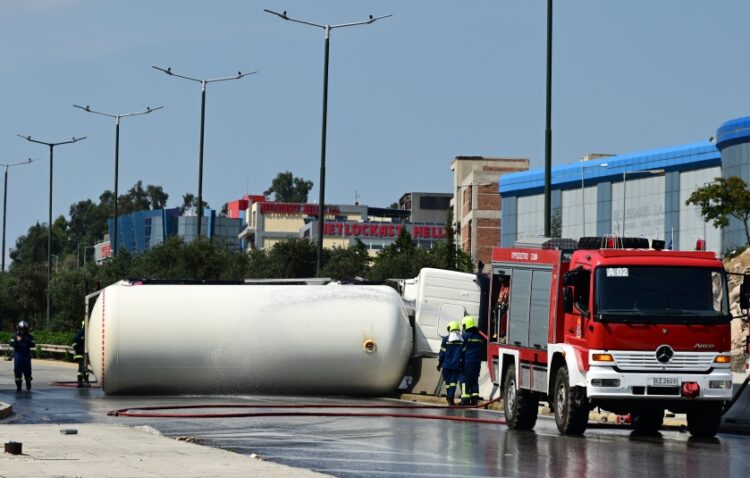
156 196
287 188
348 262
198 259
32 247
287 259
722 198
400 260
189 201
136 199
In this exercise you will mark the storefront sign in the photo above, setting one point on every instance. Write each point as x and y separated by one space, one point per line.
379 229
295 208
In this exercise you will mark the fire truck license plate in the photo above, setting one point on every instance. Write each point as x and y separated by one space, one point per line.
664 381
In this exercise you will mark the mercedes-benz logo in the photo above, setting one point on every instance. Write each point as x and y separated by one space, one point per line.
664 354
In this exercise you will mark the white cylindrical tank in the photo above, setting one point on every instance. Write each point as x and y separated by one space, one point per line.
185 338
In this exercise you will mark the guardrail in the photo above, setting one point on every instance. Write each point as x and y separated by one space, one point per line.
62 349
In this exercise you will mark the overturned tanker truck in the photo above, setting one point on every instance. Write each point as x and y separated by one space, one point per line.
305 336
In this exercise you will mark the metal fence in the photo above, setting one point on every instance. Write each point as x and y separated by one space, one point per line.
62 349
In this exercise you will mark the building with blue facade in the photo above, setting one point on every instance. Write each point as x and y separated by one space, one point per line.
142 230
639 194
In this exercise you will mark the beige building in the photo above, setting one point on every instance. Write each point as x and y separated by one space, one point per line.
477 204
270 222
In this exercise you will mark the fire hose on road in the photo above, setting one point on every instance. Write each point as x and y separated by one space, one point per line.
294 410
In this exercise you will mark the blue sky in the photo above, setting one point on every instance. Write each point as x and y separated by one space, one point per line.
407 94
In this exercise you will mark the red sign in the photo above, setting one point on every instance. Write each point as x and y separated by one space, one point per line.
379 229
295 208
105 250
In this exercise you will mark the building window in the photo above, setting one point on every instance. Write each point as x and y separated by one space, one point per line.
434 203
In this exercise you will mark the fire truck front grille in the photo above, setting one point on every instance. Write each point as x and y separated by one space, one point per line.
681 361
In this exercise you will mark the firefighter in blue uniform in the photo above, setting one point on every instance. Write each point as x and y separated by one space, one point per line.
472 360
79 340
22 344
449 360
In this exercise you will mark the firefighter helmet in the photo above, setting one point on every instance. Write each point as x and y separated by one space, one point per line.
468 322
23 326
454 326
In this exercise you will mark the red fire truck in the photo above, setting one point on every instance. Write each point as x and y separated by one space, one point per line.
614 324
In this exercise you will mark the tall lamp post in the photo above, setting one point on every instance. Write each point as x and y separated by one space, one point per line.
327 35
583 191
656 172
203 83
5 203
548 131
49 224
117 154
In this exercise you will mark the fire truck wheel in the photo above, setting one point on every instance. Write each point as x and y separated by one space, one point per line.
703 421
571 405
647 421
521 406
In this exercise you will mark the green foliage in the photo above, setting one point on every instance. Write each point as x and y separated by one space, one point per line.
190 201
400 260
722 198
287 188
290 258
350 262
199 259
67 293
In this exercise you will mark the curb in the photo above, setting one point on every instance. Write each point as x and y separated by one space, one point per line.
6 410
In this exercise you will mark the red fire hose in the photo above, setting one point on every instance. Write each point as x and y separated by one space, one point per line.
157 411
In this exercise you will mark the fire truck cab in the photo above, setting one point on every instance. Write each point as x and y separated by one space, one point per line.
609 323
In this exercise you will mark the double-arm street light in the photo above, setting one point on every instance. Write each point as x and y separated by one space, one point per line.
583 191
656 172
327 34
5 202
203 83
117 155
49 224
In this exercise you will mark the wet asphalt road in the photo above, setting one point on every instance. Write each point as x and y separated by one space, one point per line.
375 447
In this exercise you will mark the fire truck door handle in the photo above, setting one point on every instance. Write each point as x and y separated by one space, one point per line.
538 346
516 342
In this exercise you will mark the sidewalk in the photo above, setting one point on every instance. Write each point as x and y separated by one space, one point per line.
116 451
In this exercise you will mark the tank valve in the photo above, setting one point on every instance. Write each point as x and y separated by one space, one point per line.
369 346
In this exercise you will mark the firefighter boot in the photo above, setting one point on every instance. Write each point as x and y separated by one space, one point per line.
451 401
28 384
18 384
80 382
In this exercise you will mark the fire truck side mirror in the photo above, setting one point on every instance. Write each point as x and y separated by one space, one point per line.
569 278
745 293
567 299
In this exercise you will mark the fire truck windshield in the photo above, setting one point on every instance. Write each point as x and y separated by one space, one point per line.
660 294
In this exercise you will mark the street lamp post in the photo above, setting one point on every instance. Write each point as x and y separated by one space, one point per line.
548 131
86 248
657 172
583 192
203 83
327 35
49 225
5 203
117 155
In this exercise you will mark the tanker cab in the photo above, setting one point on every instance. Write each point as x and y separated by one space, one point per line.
576 297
